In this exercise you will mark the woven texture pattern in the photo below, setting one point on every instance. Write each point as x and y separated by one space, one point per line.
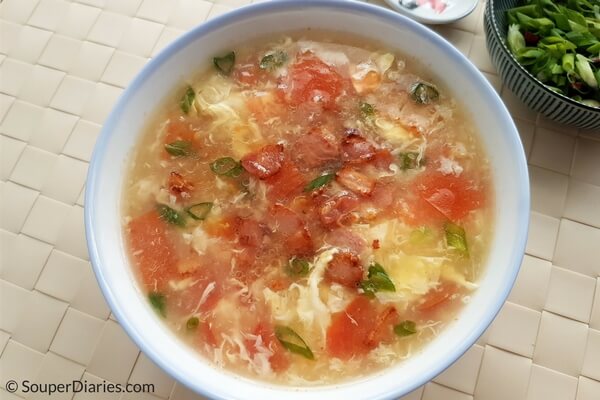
63 63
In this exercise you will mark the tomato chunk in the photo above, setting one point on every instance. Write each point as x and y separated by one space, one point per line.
280 359
382 329
437 297
345 268
287 183
179 129
311 80
152 250
249 232
359 329
292 229
382 159
346 239
314 150
356 149
453 196
265 162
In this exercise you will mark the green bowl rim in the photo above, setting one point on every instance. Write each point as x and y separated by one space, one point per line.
496 31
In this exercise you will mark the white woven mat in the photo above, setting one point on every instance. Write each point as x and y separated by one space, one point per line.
63 64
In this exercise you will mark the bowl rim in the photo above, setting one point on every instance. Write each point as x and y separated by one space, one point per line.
491 15
516 251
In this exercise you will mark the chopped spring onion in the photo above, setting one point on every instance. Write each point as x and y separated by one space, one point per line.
423 93
192 323
557 41
405 328
378 281
515 39
227 166
585 71
367 110
410 160
319 182
158 302
274 60
456 238
297 267
171 216
225 64
199 211
187 100
179 148
293 342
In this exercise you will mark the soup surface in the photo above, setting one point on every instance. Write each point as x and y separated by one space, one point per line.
309 209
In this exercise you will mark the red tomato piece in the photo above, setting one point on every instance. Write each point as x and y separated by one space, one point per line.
280 359
356 149
336 211
453 196
311 80
346 239
222 228
207 290
359 329
345 268
152 250
437 297
347 336
382 329
179 129
264 162
287 183
355 180
382 159
279 283
314 150
249 232
382 196
292 229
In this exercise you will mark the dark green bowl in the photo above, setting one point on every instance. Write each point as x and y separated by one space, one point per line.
524 85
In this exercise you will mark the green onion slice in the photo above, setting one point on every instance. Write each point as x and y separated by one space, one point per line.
319 182
456 238
297 267
410 160
423 93
225 63
170 215
515 39
199 211
192 323
293 342
227 166
378 281
158 302
405 328
367 110
179 148
187 100
274 60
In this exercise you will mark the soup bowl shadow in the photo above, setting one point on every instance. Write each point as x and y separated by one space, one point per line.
193 52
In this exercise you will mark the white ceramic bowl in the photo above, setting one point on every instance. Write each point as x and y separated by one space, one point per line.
192 52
